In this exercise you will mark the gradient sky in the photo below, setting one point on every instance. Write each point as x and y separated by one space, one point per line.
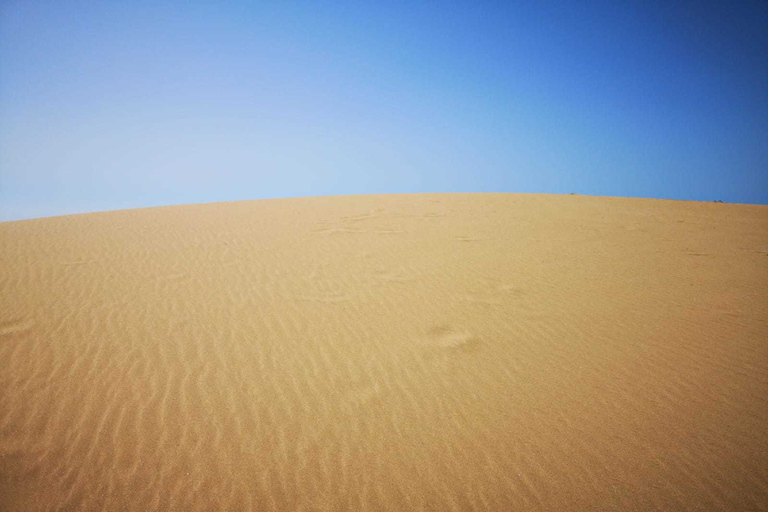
120 105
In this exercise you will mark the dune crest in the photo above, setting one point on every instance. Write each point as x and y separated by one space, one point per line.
397 352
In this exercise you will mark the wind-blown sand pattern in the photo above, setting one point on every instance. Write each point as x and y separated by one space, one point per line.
405 352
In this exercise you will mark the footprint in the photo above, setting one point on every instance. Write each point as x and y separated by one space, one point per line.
77 263
467 239
174 277
338 231
363 395
480 300
447 339
388 231
363 216
14 327
328 299
392 276
511 289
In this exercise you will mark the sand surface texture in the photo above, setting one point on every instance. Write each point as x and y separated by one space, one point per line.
407 352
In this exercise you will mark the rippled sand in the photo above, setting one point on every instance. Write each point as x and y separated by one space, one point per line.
405 352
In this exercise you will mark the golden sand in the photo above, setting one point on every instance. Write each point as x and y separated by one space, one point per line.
405 352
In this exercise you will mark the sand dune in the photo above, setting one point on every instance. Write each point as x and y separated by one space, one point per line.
406 352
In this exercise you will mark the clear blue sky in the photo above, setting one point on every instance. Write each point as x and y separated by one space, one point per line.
130 104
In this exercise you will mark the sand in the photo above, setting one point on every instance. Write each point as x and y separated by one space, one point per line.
404 352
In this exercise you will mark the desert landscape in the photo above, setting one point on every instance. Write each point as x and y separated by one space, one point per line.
443 352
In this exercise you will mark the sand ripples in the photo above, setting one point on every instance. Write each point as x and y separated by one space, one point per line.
447 352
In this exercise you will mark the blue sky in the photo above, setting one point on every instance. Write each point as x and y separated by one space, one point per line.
131 104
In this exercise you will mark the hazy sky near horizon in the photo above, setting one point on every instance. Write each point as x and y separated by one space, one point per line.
107 105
